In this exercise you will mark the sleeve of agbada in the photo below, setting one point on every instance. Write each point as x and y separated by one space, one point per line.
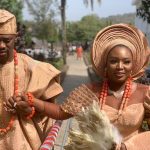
42 79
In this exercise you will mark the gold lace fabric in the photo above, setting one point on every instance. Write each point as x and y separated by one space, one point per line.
7 22
78 98
6 90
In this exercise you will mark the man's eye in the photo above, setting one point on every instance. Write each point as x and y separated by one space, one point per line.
7 40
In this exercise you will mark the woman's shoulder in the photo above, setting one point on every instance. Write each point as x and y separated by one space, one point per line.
94 86
142 87
140 92
36 66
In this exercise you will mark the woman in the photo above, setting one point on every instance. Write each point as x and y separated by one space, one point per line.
79 51
120 54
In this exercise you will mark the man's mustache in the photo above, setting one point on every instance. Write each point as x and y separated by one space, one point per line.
3 49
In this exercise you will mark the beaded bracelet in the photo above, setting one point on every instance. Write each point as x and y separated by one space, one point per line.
30 98
30 102
32 114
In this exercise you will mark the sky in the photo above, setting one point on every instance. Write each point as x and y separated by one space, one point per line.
76 9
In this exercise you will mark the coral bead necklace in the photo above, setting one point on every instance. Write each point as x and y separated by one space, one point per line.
16 84
125 98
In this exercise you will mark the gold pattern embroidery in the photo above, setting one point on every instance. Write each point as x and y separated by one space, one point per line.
78 98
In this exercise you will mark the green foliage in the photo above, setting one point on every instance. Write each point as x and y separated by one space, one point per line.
14 6
41 9
45 27
46 30
58 63
88 26
85 29
27 35
144 10
28 40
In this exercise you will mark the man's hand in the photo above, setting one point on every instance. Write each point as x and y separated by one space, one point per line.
18 104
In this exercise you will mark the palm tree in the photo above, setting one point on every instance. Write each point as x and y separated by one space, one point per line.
86 2
63 23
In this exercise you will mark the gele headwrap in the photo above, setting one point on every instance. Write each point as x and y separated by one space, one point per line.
120 34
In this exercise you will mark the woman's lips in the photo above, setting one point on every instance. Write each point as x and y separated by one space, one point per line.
119 74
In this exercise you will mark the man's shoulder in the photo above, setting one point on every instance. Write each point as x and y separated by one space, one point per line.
35 64
24 56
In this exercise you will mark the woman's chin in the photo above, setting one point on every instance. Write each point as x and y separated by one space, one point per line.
120 80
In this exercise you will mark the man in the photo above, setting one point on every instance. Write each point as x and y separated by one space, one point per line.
22 125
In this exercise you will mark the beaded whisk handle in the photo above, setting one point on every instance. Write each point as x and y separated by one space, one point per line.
51 138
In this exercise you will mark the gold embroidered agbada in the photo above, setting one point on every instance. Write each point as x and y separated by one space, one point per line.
42 80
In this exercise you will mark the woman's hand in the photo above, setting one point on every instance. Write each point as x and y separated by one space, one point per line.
18 104
114 146
123 147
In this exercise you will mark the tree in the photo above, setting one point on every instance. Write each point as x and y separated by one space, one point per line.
14 6
144 10
85 29
86 2
43 14
63 20
40 9
63 29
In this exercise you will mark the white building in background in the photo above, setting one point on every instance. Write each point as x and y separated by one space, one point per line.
144 26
